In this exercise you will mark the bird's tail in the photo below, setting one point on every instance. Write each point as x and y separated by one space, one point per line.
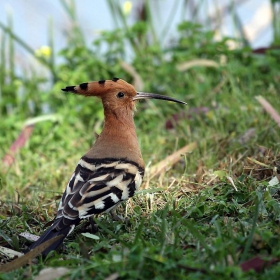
49 234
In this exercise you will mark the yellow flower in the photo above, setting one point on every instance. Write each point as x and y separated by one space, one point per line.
44 51
127 6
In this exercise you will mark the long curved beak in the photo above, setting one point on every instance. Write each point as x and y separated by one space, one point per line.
145 95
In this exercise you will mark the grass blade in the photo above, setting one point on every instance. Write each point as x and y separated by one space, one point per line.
250 237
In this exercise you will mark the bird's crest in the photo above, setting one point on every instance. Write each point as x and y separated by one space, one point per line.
99 88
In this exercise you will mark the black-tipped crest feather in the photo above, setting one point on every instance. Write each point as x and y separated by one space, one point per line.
69 89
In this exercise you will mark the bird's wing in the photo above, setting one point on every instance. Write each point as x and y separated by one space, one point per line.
96 186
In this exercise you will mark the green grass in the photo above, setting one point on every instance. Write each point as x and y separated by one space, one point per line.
190 222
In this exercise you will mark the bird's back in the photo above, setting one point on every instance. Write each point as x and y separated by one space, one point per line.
97 185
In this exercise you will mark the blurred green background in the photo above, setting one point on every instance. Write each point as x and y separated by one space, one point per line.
218 78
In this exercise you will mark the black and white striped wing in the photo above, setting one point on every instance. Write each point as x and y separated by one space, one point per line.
97 186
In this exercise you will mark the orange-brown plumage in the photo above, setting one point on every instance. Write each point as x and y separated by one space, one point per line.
118 138
113 169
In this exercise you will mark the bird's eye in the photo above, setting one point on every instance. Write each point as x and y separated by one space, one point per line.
120 95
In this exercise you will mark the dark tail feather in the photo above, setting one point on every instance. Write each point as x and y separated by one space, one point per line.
49 234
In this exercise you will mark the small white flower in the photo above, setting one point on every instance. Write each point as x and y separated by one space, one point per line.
44 51
127 6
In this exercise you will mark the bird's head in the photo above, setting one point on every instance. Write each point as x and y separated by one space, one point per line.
115 94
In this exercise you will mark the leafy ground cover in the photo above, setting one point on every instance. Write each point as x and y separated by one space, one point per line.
208 216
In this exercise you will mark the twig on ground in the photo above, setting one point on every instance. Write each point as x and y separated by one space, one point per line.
269 109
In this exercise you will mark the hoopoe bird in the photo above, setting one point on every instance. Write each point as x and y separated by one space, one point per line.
112 170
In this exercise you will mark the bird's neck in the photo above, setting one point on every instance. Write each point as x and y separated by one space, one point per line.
118 138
